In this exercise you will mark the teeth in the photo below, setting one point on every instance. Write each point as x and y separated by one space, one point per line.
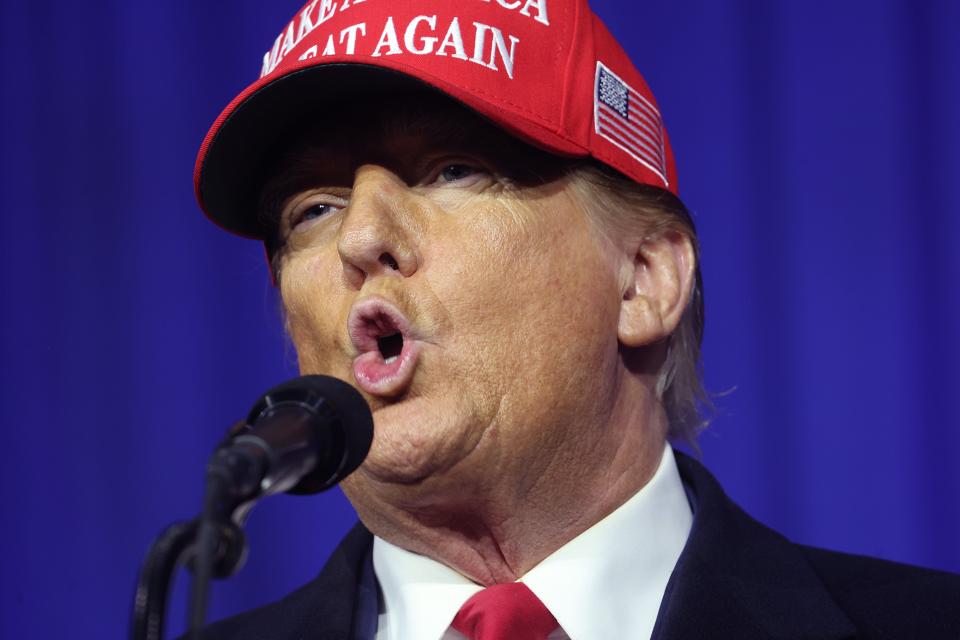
391 359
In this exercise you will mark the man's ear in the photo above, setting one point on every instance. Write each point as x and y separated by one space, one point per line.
656 288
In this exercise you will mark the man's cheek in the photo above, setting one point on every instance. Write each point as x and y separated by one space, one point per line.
314 339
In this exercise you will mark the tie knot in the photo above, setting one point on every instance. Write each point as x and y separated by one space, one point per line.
505 612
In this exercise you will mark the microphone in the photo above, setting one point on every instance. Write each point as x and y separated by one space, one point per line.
303 436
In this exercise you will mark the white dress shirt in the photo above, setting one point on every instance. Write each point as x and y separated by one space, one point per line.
606 583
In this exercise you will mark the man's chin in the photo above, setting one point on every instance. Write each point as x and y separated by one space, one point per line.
409 468
418 438
402 466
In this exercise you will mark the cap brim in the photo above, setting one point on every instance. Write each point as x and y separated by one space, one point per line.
235 160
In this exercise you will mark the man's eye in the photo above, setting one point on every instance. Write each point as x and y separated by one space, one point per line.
316 211
457 172
311 212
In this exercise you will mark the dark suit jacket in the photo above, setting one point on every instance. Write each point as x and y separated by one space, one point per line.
735 579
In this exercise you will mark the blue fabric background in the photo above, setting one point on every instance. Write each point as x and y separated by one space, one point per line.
818 144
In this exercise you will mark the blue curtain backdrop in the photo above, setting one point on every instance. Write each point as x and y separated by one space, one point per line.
818 144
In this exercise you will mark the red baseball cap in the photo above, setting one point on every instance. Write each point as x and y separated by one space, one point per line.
547 71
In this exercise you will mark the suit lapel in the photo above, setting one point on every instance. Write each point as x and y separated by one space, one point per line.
739 579
331 607
325 608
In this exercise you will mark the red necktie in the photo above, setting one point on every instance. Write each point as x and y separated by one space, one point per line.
505 612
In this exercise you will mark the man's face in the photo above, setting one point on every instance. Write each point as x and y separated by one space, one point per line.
449 273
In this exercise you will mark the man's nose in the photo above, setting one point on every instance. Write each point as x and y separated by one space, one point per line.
378 233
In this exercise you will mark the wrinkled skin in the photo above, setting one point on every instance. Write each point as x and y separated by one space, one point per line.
526 417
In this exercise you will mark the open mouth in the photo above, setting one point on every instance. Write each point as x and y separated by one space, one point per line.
390 347
387 349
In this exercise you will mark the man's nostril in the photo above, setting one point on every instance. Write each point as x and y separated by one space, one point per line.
387 260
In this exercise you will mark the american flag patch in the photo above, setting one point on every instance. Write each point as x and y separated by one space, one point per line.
630 121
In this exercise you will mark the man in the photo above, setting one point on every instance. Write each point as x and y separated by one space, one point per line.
471 213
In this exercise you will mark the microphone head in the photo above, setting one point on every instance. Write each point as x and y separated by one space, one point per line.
336 412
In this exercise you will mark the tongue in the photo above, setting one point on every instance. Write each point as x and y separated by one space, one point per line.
374 367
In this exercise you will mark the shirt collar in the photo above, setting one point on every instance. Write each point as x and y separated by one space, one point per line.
609 579
420 595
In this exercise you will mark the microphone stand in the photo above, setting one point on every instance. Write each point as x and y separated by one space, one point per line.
212 545
176 546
